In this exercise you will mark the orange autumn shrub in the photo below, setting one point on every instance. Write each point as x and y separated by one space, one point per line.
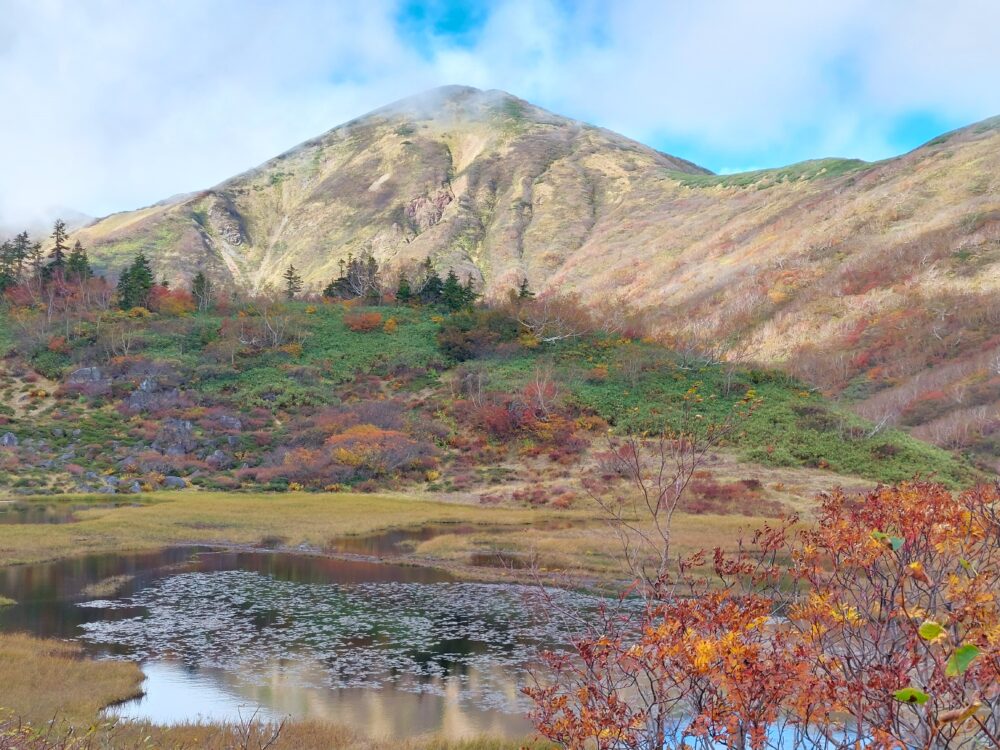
876 627
363 322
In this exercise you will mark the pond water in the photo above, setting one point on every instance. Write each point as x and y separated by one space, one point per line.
14 512
392 650
396 542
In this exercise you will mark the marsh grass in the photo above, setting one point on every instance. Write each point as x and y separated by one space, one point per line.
107 587
227 518
42 680
51 697
303 735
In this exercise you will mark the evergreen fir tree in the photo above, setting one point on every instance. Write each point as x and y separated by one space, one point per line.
432 287
22 251
452 295
523 292
58 253
77 264
36 260
135 284
404 294
469 293
7 276
293 282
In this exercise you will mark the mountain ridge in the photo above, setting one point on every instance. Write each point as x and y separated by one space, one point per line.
874 280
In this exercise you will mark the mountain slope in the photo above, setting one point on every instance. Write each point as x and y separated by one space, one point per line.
481 181
876 281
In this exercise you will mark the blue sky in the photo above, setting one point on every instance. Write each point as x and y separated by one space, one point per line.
120 103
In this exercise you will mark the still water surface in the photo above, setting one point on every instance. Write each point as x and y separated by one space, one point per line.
394 650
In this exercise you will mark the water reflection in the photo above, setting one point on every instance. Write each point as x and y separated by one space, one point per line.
176 693
16 512
398 650
396 542
11 512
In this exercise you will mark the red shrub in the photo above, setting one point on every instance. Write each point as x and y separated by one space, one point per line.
363 322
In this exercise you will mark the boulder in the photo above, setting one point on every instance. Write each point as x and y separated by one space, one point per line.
219 460
86 375
230 423
8 440
175 437
174 483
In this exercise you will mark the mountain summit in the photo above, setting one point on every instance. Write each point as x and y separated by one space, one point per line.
480 181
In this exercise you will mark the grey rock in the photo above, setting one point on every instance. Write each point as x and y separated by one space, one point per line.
86 375
108 490
174 483
8 440
230 423
175 437
112 481
135 487
219 460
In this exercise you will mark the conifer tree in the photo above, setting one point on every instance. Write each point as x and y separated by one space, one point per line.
469 293
36 260
135 284
21 252
77 264
58 253
293 282
404 293
523 292
8 278
432 286
452 295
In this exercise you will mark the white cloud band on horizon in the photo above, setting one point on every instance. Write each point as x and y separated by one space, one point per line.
113 105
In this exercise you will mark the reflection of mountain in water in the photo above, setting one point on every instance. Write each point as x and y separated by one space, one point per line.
401 658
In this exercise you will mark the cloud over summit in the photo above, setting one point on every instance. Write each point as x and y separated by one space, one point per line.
113 104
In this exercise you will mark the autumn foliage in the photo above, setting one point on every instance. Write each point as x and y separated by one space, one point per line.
876 626
363 322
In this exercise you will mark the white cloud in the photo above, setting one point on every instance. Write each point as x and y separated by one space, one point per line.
111 105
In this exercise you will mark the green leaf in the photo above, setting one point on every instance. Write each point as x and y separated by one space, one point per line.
967 566
961 660
930 630
911 695
890 541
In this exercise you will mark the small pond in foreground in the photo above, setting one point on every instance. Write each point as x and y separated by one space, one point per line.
391 650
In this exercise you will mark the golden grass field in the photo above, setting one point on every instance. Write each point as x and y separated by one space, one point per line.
316 520
45 680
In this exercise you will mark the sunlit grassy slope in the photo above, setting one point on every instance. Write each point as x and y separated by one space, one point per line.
634 386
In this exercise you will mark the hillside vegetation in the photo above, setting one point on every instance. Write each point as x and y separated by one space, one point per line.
876 282
398 396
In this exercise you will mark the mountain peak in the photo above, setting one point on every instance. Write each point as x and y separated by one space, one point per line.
453 102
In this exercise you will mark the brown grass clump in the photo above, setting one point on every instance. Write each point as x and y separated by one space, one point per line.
304 735
41 680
